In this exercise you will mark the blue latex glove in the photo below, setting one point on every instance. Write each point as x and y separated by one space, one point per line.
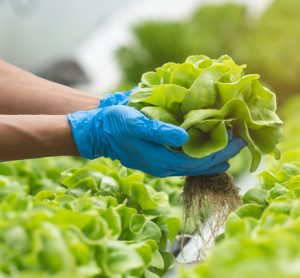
123 133
119 98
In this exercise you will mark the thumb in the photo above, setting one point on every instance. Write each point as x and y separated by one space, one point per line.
161 133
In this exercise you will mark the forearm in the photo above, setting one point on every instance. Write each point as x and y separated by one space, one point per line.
32 136
24 93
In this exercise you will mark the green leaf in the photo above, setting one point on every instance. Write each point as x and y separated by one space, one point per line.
263 97
137 223
116 258
239 226
237 89
141 194
157 260
199 61
255 196
198 116
201 144
150 231
138 96
203 92
150 274
250 210
238 109
184 75
113 220
173 225
160 113
265 138
275 192
167 96
150 79
241 130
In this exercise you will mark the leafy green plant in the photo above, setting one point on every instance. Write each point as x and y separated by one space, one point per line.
261 236
290 113
208 97
271 43
102 220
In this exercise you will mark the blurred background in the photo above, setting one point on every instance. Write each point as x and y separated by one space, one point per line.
101 46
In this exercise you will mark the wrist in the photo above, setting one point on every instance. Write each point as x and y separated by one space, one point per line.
82 102
87 129
69 100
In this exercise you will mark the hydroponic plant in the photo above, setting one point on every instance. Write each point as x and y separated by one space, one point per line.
261 237
208 98
102 220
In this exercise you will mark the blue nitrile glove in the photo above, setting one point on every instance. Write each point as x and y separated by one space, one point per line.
119 98
122 132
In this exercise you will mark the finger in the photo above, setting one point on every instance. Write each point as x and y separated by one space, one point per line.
149 157
232 149
206 164
107 100
120 98
220 168
160 132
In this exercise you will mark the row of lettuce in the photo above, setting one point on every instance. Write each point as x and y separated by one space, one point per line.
96 220
261 238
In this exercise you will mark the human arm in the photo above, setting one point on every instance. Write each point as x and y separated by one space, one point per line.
31 136
118 132
24 93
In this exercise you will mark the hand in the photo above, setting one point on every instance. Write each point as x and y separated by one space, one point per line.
119 98
123 133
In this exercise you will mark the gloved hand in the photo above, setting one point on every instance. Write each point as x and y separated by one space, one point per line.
119 98
123 133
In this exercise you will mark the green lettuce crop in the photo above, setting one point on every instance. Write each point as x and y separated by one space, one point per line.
206 97
101 220
261 237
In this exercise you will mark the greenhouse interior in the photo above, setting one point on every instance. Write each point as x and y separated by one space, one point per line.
150 138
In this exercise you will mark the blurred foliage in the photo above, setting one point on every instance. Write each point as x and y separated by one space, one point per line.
160 42
291 132
240 163
268 45
272 49
96 219
290 141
